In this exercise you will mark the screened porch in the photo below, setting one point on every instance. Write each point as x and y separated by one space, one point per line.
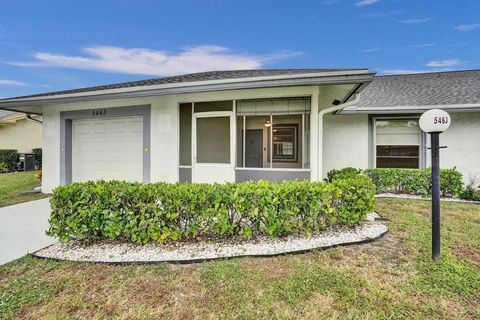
244 140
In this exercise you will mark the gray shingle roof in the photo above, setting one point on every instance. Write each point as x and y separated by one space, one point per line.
192 77
423 89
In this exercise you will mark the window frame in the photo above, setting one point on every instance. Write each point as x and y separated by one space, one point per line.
421 144
294 157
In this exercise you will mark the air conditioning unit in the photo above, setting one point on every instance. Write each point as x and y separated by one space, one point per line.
26 162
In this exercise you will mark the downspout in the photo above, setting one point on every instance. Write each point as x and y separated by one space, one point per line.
321 113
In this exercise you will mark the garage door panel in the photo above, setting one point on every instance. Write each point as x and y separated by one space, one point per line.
108 149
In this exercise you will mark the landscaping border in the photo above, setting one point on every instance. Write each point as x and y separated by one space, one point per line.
127 253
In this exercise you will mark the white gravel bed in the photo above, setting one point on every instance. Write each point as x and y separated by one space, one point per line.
415 197
120 252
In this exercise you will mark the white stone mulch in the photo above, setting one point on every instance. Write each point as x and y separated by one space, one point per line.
415 197
121 252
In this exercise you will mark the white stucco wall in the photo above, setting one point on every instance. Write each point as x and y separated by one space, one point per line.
23 136
345 142
164 125
463 145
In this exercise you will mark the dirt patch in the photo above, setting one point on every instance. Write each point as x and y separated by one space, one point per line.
270 268
468 252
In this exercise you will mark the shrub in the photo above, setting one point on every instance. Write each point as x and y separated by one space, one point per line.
4 167
344 173
9 158
159 212
406 181
38 157
451 182
472 190
415 181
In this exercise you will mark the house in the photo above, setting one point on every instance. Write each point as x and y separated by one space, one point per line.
388 113
19 132
250 124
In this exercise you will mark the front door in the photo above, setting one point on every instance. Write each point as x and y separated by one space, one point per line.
213 147
254 148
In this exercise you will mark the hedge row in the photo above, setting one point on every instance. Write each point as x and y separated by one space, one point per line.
38 157
8 160
407 181
159 212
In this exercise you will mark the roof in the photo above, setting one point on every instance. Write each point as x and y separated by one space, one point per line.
410 92
189 83
191 77
10 117
7 114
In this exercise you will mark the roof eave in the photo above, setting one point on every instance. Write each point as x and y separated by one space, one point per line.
475 107
357 76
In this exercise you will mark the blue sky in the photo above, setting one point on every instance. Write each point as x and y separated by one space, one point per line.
55 45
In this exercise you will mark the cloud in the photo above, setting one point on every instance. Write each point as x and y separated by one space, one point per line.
155 62
12 83
467 27
364 3
443 63
369 50
416 20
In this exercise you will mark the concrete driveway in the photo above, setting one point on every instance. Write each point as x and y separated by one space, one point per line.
22 229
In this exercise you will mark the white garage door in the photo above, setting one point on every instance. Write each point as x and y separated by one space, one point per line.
108 149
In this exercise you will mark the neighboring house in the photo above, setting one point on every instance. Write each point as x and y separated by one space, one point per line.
20 133
250 124
385 121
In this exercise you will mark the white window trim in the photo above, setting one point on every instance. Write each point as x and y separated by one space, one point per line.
374 149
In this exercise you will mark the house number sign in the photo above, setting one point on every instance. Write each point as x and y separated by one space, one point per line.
99 112
435 120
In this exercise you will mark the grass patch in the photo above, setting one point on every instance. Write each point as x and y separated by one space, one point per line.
13 187
386 279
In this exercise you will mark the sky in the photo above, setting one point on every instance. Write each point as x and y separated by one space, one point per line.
53 45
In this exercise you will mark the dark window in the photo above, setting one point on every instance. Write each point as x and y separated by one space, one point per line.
285 143
185 134
397 143
213 106
398 157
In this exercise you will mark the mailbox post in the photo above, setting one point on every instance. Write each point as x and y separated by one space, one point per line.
434 122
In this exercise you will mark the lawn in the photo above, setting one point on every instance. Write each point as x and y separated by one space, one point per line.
13 187
387 279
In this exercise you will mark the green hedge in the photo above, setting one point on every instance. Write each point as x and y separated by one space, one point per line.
470 193
159 212
407 181
38 157
8 158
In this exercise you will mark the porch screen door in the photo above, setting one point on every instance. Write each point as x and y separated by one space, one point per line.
213 147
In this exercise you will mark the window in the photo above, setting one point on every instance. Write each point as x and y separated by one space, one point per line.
273 133
285 142
397 143
213 140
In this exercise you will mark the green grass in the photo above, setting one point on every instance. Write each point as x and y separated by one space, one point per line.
14 185
391 278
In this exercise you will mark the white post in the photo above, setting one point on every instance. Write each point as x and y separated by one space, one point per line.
244 139
315 135
271 141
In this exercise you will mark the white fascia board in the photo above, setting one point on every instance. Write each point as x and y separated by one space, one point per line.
362 75
411 109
